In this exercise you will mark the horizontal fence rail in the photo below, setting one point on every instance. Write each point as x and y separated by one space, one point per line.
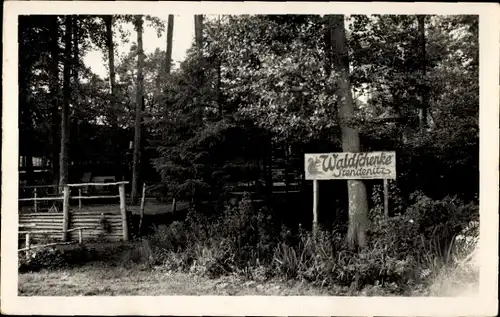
28 247
95 197
41 198
63 225
98 184
40 186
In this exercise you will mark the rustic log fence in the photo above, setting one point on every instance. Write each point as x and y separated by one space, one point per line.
58 224
28 247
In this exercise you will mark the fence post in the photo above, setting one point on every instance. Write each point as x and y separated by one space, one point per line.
386 198
143 198
174 204
79 198
28 245
315 207
123 211
80 236
65 213
35 197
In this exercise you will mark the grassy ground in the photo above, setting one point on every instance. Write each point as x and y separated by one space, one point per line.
102 279
117 276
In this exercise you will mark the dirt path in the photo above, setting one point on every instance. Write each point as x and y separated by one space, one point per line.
99 279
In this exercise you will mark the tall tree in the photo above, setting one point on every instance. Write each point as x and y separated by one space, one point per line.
76 63
422 115
198 34
219 77
108 20
64 154
358 202
163 74
26 63
138 110
170 33
55 93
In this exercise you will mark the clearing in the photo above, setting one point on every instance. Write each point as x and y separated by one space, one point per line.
105 280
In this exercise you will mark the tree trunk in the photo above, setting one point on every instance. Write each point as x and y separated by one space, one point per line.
138 111
422 115
168 55
108 20
76 61
198 32
26 117
219 79
358 202
113 116
26 126
168 62
64 157
54 91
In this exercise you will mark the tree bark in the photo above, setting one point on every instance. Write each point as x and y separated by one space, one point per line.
167 64
26 131
358 202
170 33
138 111
64 154
219 79
198 32
76 60
113 116
422 115
108 20
54 91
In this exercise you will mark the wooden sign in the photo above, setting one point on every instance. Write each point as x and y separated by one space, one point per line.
363 165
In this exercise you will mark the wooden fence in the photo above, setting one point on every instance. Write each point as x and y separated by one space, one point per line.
76 224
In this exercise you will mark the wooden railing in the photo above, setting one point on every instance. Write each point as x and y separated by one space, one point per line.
66 203
36 195
28 247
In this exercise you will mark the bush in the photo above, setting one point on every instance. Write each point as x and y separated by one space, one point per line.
55 258
233 241
172 237
404 252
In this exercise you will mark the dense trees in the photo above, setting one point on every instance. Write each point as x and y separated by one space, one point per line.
251 85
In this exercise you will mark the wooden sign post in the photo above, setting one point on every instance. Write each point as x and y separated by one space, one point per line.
386 198
315 207
123 211
349 165
66 193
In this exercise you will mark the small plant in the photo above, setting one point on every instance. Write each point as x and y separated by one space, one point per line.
104 224
140 253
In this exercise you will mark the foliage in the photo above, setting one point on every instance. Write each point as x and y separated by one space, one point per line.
403 255
55 258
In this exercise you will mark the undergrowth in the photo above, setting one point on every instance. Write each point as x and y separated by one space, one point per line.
406 252
413 252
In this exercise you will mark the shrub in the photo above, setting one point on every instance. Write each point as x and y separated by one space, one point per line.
172 237
404 252
139 253
399 255
238 238
55 258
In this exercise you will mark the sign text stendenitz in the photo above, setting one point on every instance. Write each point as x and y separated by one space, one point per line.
365 165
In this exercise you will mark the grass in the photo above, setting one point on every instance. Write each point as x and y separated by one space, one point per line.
105 280
118 277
